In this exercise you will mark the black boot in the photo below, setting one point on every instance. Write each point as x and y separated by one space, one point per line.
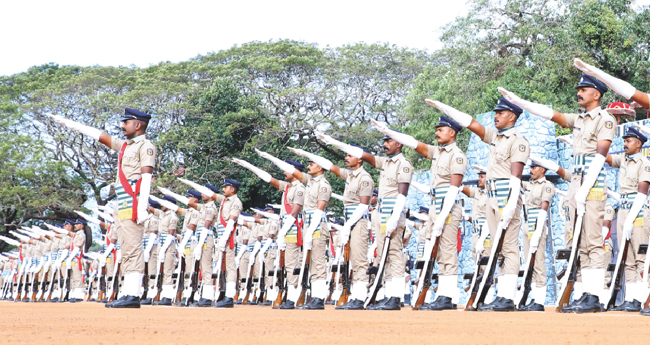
225 303
441 303
126 302
532 306
572 305
378 304
645 312
203 303
164 301
628 306
355 304
315 304
503 304
54 300
393 303
239 301
287 305
182 302
490 306
147 301
591 304
266 303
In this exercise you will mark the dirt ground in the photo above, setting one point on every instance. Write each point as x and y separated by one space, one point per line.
91 323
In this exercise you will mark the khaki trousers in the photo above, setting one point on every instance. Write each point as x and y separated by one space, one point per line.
539 267
152 265
318 262
591 238
292 260
633 262
359 237
268 266
395 260
510 249
130 234
448 248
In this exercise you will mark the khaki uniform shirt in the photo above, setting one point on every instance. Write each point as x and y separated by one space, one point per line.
151 225
168 220
139 153
609 212
79 239
506 147
479 202
295 194
318 189
358 183
191 218
208 213
394 170
538 191
590 128
632 172
271 226
446 161
231 207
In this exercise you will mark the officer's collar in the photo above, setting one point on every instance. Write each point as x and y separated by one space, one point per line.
507 131
395 157
295 182
633 157
136 139
448 147
318 178
539 180
593 113
357 172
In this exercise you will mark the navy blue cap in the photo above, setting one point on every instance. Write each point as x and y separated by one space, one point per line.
634 133
589 81
447 122
386 137
504 104
169 198
299 166
59 225
338 221
423 209
69 221
375 192
193 194
268 207
230 182
80 221
534 164
154 204
213 188
132 114
357 145
245 214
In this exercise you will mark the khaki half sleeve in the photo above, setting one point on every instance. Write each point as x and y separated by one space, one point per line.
366 186
520 151
458 164
116 144
617 160
607 129
548 192
644 174
405 172
147 155
299 197
570 120
324 192
490 135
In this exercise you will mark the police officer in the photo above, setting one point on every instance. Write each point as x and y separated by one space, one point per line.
74 260
137 157
357 194
593 132
509 152
293 199
633 180
167 255
448 166
393 186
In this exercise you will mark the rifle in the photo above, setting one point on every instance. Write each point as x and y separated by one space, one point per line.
304 278
159 280
478 294
221 278
194 281
346 276
180 281
67 283
261 282
334 276
646 271
145 282
280 276
424 281
102 283
619 272
528 273
112 293
379 275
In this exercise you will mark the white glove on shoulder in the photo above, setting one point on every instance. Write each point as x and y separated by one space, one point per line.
321 161
402 138
349 149
533 108
619 86
458 116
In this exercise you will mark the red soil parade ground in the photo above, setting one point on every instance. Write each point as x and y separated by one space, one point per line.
91 323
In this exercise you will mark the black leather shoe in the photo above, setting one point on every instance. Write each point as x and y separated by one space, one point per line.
424 306
92 300
442 303
645 312
74 300
633 306
287 305
126 302
182 302
572 305
239 301
314 304
489 306
532 306
331 302
105 300
393 303
202 303
147 301
355 304
225 303
591 304
54 300
266 303
164 301
253 302
378 304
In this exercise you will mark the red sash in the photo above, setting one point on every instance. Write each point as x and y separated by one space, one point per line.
108 242
231 238
127 186
459 242
20 253
332 249
78 256
288 209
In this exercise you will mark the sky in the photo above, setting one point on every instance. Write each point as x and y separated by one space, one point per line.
142 33
147 32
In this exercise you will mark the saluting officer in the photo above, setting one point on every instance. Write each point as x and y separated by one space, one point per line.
509 152
137 158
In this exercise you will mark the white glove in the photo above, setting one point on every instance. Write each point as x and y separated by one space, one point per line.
87 217
307 239
612 194
480 243
322 161
458 116
628 226
621 87
165 203
263 175
282 244
286 167
402 138
421 187
358 213
605 232
223 241
91 132
480 246
198 250
371 252
642 128
589 179
150 244
344 235
257 247
393 220
509 209
230 226
539 230
199 188
184 240
545 163
143 199
182 199
447 204
349 149
240 221
533 108
266 214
